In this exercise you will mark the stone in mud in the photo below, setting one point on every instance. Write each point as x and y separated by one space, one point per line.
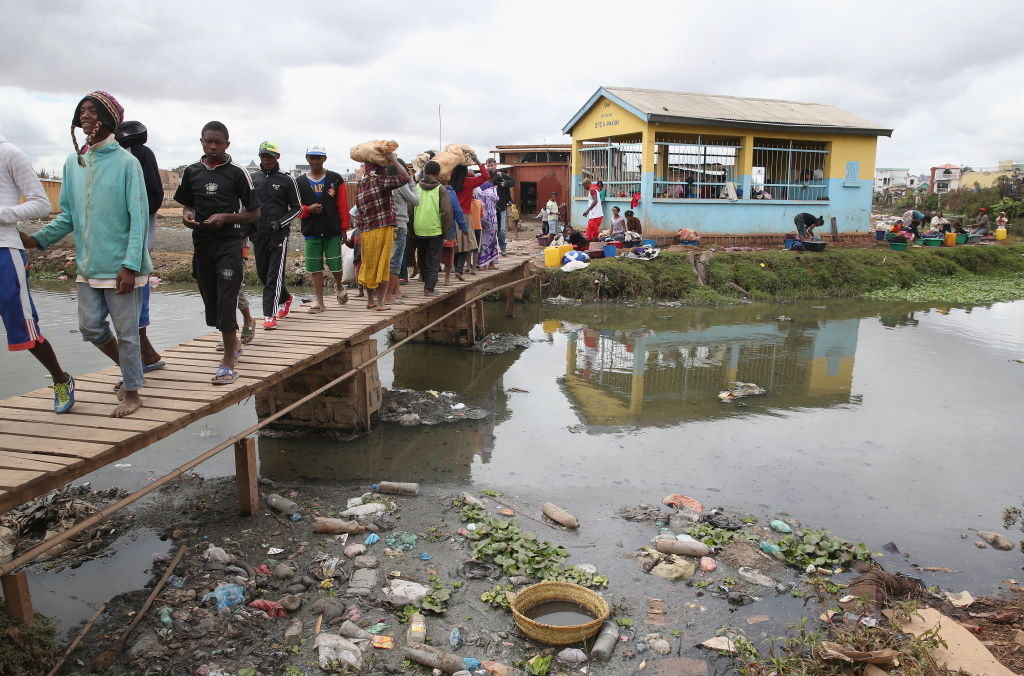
352 551
147 647
293 634
290 603
996 540
756 576
658 645
294 589
284 572
409 420
674 568
365 562
362 582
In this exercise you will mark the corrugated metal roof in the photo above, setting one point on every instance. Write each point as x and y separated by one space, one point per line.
659 105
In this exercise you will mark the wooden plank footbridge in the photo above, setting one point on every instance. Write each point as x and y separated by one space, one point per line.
314 370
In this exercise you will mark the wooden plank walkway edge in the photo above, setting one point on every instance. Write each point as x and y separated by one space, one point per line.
40 450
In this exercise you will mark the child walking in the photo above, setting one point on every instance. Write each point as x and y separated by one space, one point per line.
218 202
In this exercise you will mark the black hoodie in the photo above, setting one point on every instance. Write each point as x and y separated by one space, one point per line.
136 144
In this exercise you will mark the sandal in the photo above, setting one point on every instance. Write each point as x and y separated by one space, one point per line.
154 366
342 297
248 333
222 371
314 309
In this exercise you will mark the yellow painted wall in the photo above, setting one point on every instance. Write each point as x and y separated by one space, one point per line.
985 179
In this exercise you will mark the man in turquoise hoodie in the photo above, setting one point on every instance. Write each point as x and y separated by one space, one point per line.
103 201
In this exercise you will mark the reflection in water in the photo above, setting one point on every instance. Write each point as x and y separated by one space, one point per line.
423 453
657 377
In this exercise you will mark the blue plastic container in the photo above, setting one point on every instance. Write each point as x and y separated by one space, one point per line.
610 250
789 243
649 242
880 235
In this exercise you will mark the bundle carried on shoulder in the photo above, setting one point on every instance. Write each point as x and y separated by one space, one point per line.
373 151
467 156
448 161
421 160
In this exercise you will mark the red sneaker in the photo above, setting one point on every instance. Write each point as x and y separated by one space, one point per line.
269 323
283 311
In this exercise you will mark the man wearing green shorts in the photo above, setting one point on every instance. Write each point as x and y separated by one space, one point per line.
324 219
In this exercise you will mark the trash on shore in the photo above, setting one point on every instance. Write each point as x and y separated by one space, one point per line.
560 516
412 407
740 390
499 343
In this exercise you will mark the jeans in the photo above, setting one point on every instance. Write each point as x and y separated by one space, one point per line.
502 226
398 252
94 307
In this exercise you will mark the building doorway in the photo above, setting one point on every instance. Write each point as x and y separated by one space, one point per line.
528 198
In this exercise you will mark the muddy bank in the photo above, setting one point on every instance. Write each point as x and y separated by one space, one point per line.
278 579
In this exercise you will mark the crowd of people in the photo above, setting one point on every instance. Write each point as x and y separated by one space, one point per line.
110 195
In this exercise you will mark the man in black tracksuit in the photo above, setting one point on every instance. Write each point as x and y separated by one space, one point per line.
280 205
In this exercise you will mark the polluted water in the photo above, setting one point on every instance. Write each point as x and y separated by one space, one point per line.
560 614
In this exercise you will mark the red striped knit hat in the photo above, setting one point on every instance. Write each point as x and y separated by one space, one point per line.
109 112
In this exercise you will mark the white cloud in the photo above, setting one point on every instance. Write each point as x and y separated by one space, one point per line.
946 79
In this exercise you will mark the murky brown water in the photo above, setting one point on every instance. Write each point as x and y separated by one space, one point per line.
885 422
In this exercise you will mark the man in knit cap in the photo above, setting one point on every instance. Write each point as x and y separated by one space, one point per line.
103 201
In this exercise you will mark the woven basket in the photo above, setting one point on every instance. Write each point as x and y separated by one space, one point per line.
548 634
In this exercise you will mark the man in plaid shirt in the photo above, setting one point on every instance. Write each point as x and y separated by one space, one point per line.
377 223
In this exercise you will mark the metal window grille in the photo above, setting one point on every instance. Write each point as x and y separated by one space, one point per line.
788 170
617 164
695 167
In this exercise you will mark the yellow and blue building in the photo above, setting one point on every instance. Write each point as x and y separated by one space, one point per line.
723 164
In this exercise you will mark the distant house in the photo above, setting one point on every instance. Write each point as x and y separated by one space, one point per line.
944 178
170 180
538 170
889 177
723 164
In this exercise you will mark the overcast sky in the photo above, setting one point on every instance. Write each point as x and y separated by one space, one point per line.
948 77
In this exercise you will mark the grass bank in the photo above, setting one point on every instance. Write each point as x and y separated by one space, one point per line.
991 273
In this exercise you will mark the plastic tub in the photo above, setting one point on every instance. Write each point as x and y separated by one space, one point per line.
889 235
898 247
543 240
553 257
815 246
690 242
789 243
610 250
931 241
962 239
880 234
651 242
595 254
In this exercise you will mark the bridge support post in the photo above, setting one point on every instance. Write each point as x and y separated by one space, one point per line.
346 406
245 477
459 329
16 596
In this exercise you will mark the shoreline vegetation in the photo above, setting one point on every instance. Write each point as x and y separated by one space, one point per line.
968 275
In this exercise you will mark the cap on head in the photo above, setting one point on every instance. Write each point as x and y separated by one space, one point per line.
982 209
269 148
316 149
108 111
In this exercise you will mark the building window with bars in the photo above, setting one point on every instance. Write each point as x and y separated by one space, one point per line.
788 170
696 167
617 164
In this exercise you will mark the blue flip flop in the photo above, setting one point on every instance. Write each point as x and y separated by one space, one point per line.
154 366
238 354
224 371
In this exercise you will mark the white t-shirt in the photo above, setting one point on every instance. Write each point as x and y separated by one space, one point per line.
595 199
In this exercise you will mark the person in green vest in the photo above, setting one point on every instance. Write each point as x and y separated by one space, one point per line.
431 220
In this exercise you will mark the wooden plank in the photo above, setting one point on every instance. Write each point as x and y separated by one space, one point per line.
246 477
56 420
16 597
76 449
96 412
36 463
108 399
11 479
45 431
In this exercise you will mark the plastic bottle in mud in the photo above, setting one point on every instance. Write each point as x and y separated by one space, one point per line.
282 505
324 525
417 630
431 657
398 488
686 548
605 643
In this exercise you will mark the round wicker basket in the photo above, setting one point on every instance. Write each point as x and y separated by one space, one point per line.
548 634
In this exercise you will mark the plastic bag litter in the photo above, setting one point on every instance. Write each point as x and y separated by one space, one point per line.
478 570
676 501
372 538
401 540
369 509
455 639
741 390
334 648
572 656
573 266
721 521
373 151
271 608
217 554
470 663
780 526
175 582
770 547
226 595
756 576
404 592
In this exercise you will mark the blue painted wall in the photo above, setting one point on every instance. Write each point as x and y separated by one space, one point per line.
851 206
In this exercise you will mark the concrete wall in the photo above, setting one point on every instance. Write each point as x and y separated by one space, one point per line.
848 202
